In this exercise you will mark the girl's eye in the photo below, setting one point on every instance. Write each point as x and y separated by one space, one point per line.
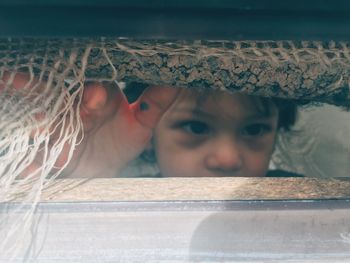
195 127
256 130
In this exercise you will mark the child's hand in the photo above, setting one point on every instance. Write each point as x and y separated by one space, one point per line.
115 132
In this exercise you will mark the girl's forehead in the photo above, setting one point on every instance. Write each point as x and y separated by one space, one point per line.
220 102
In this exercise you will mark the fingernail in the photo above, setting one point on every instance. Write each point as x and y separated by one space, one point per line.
96 103
95 97
144 106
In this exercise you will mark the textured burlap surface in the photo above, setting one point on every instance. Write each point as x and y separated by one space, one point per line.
291 69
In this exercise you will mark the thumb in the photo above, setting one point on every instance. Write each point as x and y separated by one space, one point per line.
153 103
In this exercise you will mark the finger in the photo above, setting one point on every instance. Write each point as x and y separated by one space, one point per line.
100 101
94 97
153 103
17 80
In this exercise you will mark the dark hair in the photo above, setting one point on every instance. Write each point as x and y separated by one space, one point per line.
287 110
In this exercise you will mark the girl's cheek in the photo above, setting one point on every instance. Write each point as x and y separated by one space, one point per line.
187 141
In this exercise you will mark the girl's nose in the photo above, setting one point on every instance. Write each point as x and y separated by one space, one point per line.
225 156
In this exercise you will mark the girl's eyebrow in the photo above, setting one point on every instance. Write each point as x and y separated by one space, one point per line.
259 116
195 111
205 114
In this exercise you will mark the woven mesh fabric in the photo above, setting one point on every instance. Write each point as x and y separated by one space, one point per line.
310 69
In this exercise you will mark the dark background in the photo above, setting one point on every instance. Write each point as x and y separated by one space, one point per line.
181 19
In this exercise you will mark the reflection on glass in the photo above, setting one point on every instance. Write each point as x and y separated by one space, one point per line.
319 147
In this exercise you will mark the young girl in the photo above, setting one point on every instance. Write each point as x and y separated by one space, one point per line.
219 134
215 133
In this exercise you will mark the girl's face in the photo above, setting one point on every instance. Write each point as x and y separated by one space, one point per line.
218 134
